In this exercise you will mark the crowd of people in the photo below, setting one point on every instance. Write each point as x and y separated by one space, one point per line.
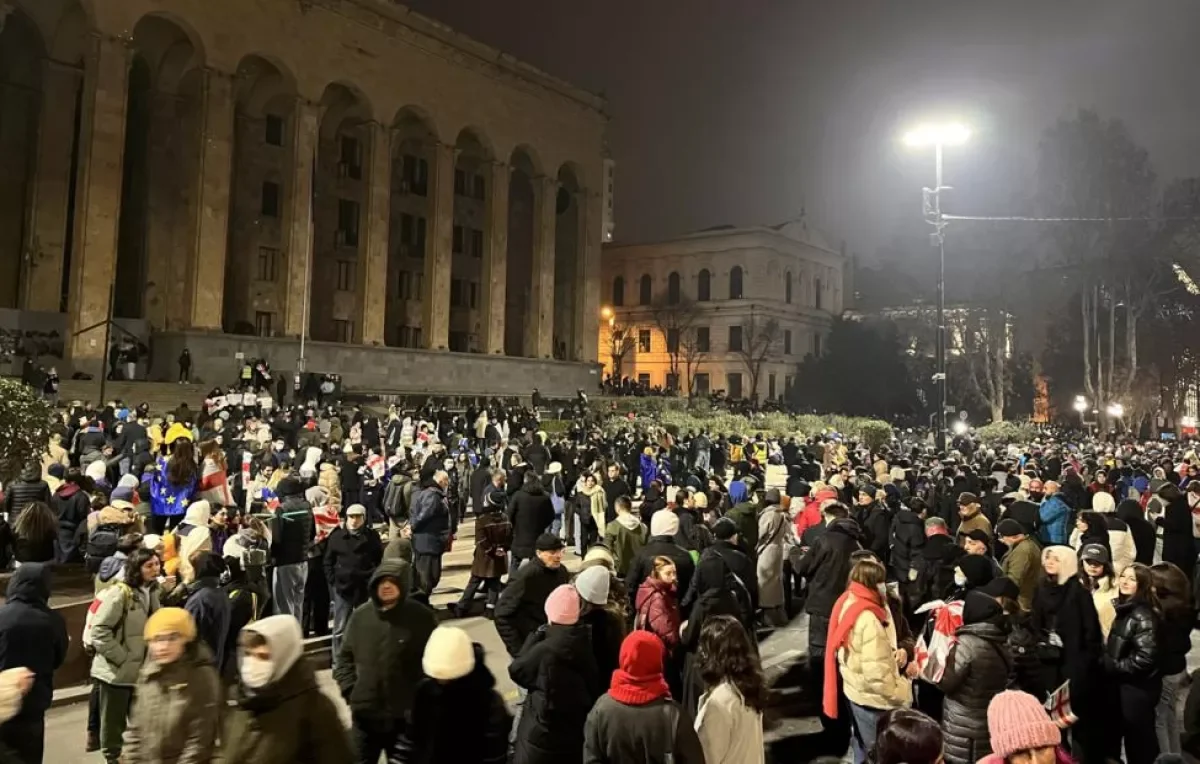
1029 600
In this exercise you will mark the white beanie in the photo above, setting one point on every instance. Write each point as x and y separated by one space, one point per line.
592 584
664 522
96 470
1102 501
449 654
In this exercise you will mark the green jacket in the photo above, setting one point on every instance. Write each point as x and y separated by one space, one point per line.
379 661
291 722
624 544
117 628
745 516
177 714
1023 566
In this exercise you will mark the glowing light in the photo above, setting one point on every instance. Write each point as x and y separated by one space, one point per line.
1115 410
959 427
1081 404
949 134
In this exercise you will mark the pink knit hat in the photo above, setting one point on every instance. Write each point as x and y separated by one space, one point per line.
1018 722
562 606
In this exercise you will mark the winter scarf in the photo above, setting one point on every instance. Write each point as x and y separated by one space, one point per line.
639 678
840 627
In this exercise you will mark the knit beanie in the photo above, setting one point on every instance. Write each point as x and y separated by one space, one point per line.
170 620
449 654
1018 722
664 522
562 606
96 470
1103 502
600 554
592 585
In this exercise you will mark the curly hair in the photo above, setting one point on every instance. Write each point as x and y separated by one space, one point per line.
726 654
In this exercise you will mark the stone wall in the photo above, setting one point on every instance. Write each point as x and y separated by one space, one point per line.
374 369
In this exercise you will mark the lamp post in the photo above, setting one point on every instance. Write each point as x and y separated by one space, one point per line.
938 136
1116 411
1081 405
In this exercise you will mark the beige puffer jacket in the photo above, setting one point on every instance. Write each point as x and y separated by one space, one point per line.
868 665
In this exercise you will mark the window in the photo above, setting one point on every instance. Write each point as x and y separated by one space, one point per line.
456 240
343 331
476 243
672 340
262 324
672 381
412 235
817 293
350 158
478 187
704 286
673 288
459 342
702 340
735 338
345 276
414 176
644 380
274 130
410 336
618 295
460 183
268 263
347 227
404 287
787 288
473 302
643 340
733 385
701 384
644 290
787 342
735 283
770 387
270 199
817 345
456 293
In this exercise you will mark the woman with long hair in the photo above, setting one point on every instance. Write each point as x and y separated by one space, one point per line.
657 603
1174 593
174 483
729 719
1090 528
34 533
907 736
214 478
1096 575
1133 660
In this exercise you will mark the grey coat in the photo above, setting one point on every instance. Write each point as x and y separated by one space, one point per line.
774 536
117 630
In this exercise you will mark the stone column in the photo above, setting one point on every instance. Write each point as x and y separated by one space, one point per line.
213 180
435 299
47 231
587 289
297 215
98 200
373 251
495 260
539 329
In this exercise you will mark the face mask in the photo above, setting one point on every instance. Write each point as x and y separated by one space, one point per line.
960 579
256 672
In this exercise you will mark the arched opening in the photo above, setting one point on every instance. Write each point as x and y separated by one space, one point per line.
645 290
339 199
618 292
468 243
735 283
787 287
410 227
157 229
568 235
257 260
673 296
21 55
704 286
518 304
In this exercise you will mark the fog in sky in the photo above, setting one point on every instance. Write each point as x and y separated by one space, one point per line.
747 111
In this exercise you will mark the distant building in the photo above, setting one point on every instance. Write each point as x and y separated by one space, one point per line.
711 296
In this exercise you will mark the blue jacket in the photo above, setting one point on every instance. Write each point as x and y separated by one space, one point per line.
649 471
1056 521
430 521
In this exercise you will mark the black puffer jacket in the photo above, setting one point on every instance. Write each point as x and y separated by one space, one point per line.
826 567
908 539
522 605
530 513
979 668
1132 654
439 711
557 668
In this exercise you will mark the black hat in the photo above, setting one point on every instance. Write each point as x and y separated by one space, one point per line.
548 542
1009 527
1001 586
979 607
1095 553
966 497
724 529
979 534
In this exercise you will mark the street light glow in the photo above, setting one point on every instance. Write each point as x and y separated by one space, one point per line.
960 427
1116 410
949 134
606 312
1081 404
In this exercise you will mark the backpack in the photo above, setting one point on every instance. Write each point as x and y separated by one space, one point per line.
101 544
736 588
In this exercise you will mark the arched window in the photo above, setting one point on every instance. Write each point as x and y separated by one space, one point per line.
618 296
704 286
735 283
817 294
673 288
644 290
787 288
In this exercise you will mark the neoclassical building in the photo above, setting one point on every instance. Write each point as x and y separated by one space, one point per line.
426 211
711 296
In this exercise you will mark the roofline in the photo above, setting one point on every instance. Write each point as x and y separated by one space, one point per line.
430 27
720 233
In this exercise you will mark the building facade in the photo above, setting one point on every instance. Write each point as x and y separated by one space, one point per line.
343 170
715 309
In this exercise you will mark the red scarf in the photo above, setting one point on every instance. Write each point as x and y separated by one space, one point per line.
840 626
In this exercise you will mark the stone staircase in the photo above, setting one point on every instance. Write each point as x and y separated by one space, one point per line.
161 396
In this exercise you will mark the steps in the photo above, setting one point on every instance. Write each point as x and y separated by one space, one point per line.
161 396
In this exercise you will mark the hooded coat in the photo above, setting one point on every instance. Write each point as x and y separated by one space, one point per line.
209 606
520 611
437 732
977 669
177 713
290 720
827 565
32 635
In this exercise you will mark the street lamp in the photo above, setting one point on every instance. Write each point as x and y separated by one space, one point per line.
1115 410
1081 405
938 136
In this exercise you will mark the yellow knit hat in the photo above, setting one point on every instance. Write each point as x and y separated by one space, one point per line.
170 620
177 431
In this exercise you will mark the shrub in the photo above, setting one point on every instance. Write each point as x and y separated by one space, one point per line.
1008 432
24 427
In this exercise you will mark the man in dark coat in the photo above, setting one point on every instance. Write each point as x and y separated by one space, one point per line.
208 605
292 534
34 637
431 527
521 608
493 539
722 558
614 488
352 553
71 504
531 512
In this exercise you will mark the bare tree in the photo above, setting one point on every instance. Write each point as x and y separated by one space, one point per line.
620 342
985 346
692 355
673 320
759 340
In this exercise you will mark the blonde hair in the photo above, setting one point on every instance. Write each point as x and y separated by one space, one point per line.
660 564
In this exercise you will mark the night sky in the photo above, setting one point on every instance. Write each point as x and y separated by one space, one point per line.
746 111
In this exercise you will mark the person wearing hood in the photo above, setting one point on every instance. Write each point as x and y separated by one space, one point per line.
1141 530
378 664
110 568
557 670
493 539
34 637
292 532
1054 515
458 686
28 488
177 714
744 513
311 464
207 605
352 553
1090 528
432 527
637 715
977 668
663 527
774 530
1120 543
1178 529
71 505
625 536
279 714
1022 563
248 594
531 512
